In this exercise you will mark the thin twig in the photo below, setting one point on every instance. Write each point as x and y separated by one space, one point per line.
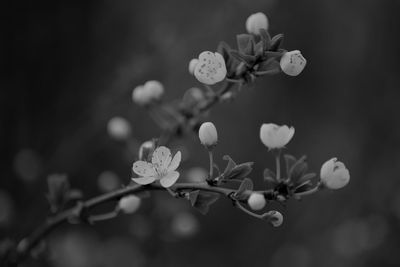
78 212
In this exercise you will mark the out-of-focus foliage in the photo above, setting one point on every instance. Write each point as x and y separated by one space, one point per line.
69 68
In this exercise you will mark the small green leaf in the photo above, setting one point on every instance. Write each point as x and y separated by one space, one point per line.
240 171
298 169
229 166
224 50
307 177
269 66
276 42
230 61
266 39
269 175
193 196
289 161
303 187
271 181
268 72
246 185
276 55
245 44
259 49
204 200
58 187
248 59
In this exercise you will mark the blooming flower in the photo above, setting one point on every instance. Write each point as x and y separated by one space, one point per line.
192 65
292 63
119 128
274 136
255 22
208 134
256 201
162 167
211 68
150 91
334 174
129 204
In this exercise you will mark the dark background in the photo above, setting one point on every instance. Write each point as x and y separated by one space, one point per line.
68 68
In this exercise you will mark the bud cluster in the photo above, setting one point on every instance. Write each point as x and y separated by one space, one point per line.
149 92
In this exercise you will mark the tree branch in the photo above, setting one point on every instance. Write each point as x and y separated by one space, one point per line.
80 210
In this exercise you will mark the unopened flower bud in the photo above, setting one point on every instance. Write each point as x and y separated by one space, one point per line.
119 128
292 63
192 65
334 174
129 204
155 88
145 94
276 218
274 136
146 150
255 22
208 134
256 201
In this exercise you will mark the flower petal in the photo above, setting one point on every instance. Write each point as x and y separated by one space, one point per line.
169 179
144 180
143 168
161 158
175 162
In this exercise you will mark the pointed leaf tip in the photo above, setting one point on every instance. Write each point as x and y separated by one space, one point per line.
204 200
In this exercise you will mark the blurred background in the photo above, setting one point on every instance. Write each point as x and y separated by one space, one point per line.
69 68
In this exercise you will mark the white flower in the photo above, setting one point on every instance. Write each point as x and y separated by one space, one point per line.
129 204
211 68
255 22
274 136
256 201
150 91
292 63
334 174
208 134
162 167
276 218
192 65
119 128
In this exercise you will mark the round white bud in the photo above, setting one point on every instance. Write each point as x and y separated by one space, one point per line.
334 174
129 204
208 134
256 201
119 128
255 22
292 63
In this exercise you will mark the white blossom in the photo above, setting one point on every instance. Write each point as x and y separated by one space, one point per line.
274 136
334 174
211 68
161 168
292 63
